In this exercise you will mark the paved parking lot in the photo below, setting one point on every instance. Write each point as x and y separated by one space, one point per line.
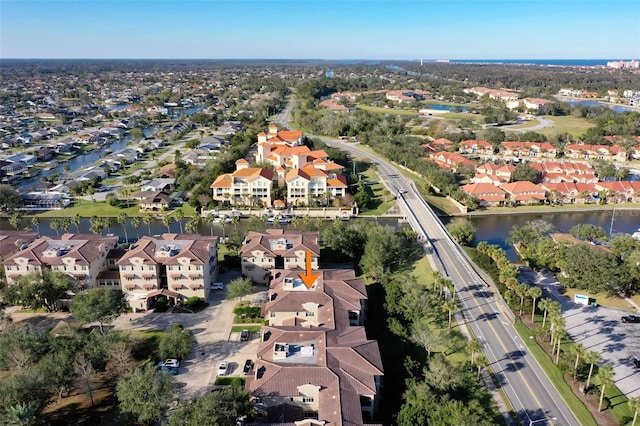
599 329
211 328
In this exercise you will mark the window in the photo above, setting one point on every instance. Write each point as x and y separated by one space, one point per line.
309 314
307 399
272 315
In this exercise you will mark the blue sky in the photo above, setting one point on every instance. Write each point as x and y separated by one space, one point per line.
321 29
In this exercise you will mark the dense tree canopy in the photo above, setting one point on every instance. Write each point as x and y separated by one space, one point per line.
98 304
145 393
221 408
35 290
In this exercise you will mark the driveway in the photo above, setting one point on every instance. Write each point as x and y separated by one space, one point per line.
598 329
211 329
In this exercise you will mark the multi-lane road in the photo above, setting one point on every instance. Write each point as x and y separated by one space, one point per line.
532 395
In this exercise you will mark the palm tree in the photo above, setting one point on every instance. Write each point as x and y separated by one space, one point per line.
634 404
35 221
481 362
66 224
125 192
55 224
97 224
178 216
561 335
521 291
21 414
122 219
578 350
14 220
76 219
135 222
605 375
166 221
546 306
592 358
192 225
211 218
147 219
534 292
450 306
473 348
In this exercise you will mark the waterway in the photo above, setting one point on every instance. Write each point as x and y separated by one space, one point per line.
578 102
76 163
496 229
156 227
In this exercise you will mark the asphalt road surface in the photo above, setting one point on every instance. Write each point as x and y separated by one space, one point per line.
532 395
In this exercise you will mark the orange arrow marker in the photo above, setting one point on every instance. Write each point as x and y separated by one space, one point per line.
309 278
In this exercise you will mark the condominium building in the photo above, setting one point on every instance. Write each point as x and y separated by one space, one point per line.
262 252
81 256
173 265
311 184
315 364
247 185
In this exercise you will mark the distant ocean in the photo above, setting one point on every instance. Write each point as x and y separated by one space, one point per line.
552 62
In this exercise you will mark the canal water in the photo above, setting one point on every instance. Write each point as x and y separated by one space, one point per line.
496 229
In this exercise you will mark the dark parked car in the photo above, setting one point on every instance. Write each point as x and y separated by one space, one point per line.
244 335
631 318
636 360
247 367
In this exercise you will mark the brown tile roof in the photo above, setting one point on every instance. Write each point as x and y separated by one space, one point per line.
299 241
11 241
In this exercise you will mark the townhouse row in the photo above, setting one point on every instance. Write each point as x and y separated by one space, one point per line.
440 150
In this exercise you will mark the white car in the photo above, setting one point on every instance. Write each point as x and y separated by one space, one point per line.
171 363
217 286
222 370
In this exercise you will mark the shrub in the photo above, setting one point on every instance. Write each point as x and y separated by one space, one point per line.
192 302
161 304
236 382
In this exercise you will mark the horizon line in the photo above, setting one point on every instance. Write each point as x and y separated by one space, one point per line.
319 59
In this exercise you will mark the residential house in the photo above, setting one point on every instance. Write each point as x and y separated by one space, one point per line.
593 152
166 185
441 144
333 105
315 364
528 149
262 252
481 147
247 185
524 192
529 103
619 191
505 172
156 201
81 256
487 194
570 192
449 160
174 266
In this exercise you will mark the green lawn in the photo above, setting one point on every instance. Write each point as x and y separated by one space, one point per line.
390 111
555 375
575 126
86 208
383 200
251 328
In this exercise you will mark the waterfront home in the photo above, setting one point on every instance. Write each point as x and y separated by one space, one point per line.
619 191
156 201
272 249
173 265
487 194
81 256
246 185
308 184
524 192
312 352
166 185
14 241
